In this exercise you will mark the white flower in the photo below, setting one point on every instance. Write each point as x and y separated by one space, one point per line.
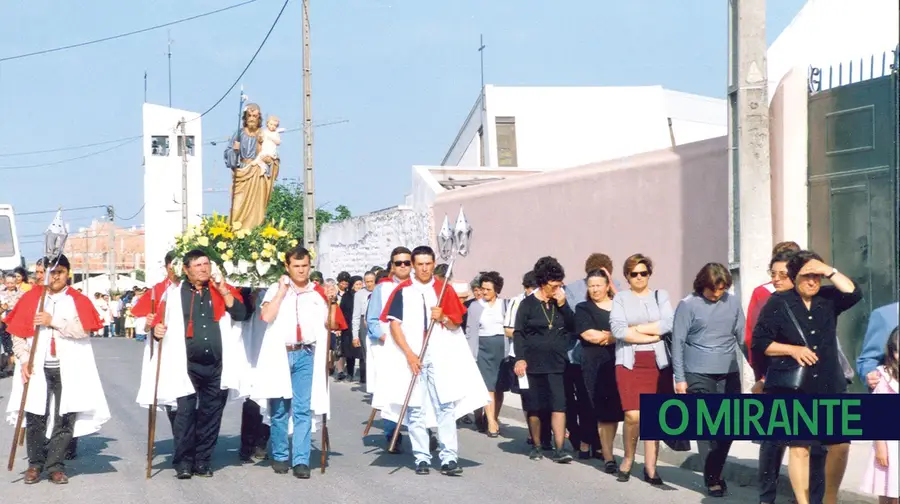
229 268
243 266
215 272
262 267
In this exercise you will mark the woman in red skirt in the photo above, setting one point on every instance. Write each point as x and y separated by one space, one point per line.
639 318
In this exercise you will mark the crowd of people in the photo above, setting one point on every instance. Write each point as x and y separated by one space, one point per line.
580 353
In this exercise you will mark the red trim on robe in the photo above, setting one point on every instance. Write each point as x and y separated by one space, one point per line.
453 308
142 308
339 319
20 321
218 301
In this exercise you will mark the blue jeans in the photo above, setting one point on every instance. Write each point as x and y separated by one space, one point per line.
389 427
301 366
418 434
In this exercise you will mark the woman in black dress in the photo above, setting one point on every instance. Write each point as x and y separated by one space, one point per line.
598 361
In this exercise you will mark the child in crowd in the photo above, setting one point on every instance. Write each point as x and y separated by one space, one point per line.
883 472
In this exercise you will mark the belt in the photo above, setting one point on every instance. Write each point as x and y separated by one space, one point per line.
299 346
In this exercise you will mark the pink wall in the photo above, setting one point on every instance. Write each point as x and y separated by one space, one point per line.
671 205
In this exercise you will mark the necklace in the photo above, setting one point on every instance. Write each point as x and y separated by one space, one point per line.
552 314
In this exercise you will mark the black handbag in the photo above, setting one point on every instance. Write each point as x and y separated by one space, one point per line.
784 372
666 338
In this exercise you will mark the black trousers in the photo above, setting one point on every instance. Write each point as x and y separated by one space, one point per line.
49 454
254 433
580 420
198 417
361 351
771 455
724 383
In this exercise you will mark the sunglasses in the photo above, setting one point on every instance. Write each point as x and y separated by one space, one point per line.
778 274
635 274
399 264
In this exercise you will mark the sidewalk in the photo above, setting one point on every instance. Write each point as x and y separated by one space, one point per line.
743 460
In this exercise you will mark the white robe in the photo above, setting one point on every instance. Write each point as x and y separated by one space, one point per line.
457 379
174 381
271 377
82 392
375 349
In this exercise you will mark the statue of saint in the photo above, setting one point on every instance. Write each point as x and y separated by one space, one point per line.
252 182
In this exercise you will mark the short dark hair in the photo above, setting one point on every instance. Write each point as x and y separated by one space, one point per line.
441 270
548 269
397 251
193 255
711 276
476 282
598 261
494 278
63 261
370 273
343 276
782 256
170 257
299 253
316 276
798 261
423 250
43 262
529 281
354 279
785 246
633 261
381 275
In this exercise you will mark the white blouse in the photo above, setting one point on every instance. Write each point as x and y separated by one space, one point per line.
491 321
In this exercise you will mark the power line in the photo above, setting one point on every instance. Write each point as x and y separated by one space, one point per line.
289 130
133 216
58 209
236 81
76 158
122 35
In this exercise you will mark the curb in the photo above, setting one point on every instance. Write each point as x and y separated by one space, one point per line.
741 472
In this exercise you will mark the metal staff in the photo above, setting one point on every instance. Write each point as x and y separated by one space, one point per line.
54 243
450 244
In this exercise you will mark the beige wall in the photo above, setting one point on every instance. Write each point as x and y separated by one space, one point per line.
671 205
788 140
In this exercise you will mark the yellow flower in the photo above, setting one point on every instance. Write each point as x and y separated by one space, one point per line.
221 245
293 243
269 232
203 241
236 225
282 233
281 256
266 253
229 253
254 256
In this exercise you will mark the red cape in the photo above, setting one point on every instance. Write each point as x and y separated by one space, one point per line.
218 301
20 321
339 319
453 309
142 308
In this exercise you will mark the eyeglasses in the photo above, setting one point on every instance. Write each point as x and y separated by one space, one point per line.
399 264
635 274
778 274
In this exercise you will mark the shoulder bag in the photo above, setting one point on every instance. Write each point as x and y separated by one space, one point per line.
784 372
665 338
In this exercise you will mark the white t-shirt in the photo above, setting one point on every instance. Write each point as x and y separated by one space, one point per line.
491 321
305 305
510 321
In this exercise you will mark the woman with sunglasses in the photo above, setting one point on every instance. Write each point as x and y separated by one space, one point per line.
639 318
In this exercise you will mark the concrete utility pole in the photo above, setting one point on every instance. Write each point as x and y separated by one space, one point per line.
751 220
111 247
309 201
184 178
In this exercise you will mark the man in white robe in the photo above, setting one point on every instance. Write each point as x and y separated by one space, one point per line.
448 384
291 372
64 378
202 359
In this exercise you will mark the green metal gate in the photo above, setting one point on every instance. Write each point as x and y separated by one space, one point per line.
853 191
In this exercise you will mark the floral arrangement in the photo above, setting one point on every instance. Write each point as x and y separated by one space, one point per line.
249 257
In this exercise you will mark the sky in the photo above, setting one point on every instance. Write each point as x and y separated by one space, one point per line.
403 74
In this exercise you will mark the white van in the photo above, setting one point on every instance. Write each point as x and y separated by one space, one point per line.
10 254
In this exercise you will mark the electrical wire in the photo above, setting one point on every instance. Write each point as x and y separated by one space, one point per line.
132 217
76 158
236 81
122 35
41 212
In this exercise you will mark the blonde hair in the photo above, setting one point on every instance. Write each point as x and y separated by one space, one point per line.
273 117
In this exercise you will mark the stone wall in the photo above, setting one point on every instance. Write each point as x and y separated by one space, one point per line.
356 244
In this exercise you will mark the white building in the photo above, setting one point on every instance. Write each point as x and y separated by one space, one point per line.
163 149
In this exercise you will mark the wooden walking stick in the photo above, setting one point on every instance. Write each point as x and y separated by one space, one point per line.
370 422
450 244
325 441
151 415
54 244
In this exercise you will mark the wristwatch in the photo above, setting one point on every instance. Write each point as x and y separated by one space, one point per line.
833 272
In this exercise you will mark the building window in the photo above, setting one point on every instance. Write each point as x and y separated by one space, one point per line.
190 145
506 141
159 146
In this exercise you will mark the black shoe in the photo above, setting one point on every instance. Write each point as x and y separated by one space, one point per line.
655 481
422 469
610 467
398 448
183 473
203 471
623 476
451 469
536 454
245 456
433 444
301 471
560 456
546 447
260 454
585 455
280 467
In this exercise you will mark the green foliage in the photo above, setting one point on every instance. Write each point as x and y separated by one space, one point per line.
140 276
287 203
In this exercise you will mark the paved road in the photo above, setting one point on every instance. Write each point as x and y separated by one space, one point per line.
110 466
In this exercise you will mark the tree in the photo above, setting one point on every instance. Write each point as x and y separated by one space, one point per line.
287 203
